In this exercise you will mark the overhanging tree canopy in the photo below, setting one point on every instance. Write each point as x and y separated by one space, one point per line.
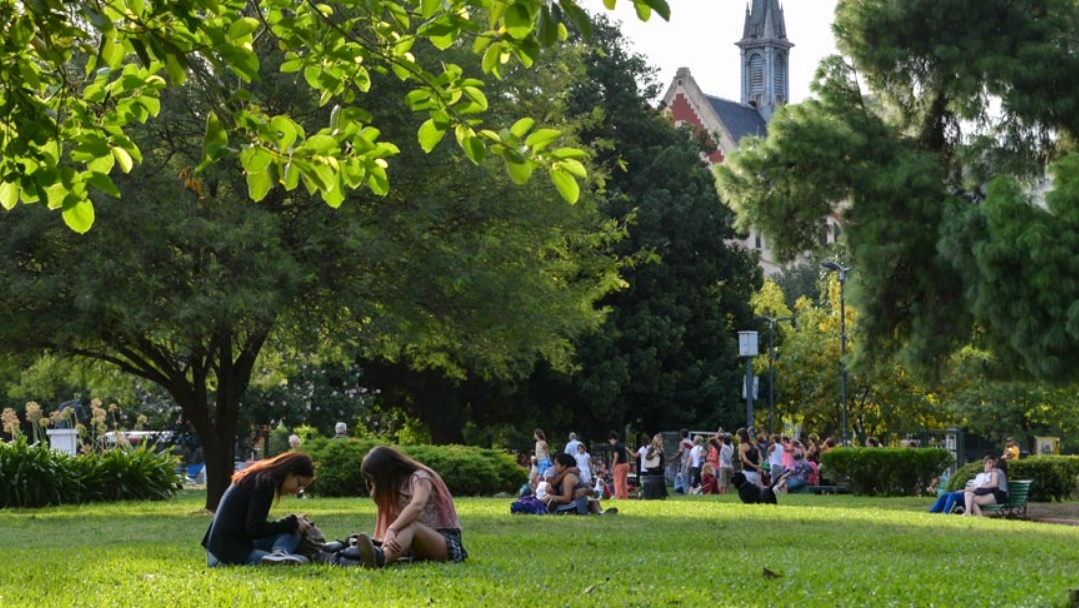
78 74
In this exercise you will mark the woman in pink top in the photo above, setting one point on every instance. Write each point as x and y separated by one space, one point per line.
416 516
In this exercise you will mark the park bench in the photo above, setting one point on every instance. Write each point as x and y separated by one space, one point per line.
1016 505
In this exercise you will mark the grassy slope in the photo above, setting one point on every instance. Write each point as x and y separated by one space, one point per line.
830 551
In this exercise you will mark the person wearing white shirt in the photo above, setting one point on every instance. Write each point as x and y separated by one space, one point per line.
584 463
696 459
571 447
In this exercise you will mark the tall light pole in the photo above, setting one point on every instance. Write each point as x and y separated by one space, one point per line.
747 347
771 369
841 270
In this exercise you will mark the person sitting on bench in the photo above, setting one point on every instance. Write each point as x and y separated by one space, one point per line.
990 492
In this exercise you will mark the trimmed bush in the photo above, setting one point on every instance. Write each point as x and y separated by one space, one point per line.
467 471
1055 477
37 476
886 471
337 465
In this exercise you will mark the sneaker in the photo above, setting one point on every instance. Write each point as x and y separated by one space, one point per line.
280 558
610 511
372 556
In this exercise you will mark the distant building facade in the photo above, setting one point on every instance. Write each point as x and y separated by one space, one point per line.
765 61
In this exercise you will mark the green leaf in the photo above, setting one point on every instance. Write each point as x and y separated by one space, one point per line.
259 183
566 185
547 29
430 134
574 167
430 7
255 159
563 153
123 158
477 96
213 143
9 195
78 214
520 172
242 61
609 4
644 12
661 7
284 132
578 17
541 137
103 183
522 126
492 60
242 27
518 21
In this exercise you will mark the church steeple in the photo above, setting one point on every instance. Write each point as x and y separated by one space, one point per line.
765 54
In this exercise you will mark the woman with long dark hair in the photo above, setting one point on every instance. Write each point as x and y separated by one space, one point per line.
240 532
416 516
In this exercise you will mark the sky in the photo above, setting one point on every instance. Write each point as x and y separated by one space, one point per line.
701 36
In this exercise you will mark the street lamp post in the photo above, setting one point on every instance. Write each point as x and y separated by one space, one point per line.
747 347
841 270
771 368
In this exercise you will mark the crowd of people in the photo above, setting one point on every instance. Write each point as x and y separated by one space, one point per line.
416 519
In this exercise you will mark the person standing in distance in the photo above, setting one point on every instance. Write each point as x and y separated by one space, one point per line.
619 466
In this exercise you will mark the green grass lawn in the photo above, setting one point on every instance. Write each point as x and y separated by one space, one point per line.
695 551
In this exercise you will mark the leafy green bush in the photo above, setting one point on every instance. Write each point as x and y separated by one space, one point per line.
1055 477
467 471
886 471
337 465
135 474
36 476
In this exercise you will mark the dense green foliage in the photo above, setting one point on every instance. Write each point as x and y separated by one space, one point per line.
467 471
36 476
1055 477
886 471
81 74
927 139
460 268
837 551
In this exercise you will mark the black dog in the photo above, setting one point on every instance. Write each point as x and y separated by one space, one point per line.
751 493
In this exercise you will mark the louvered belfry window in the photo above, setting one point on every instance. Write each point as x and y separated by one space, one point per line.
756 75
781 69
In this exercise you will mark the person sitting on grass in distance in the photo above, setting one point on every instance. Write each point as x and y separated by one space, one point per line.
416 516
240 532
568 495
991 491
798 477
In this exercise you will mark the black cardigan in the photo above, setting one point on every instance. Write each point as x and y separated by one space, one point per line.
241 519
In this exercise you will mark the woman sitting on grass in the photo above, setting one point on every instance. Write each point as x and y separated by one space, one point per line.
993 490
416 517
567 494
240 532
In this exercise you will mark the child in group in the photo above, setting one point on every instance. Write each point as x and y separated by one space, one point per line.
584 463
709 483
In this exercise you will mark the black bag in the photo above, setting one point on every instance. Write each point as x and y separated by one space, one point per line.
340 552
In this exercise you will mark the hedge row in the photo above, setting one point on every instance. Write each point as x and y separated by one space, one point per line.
885 471
1055 477
37 476
467 471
